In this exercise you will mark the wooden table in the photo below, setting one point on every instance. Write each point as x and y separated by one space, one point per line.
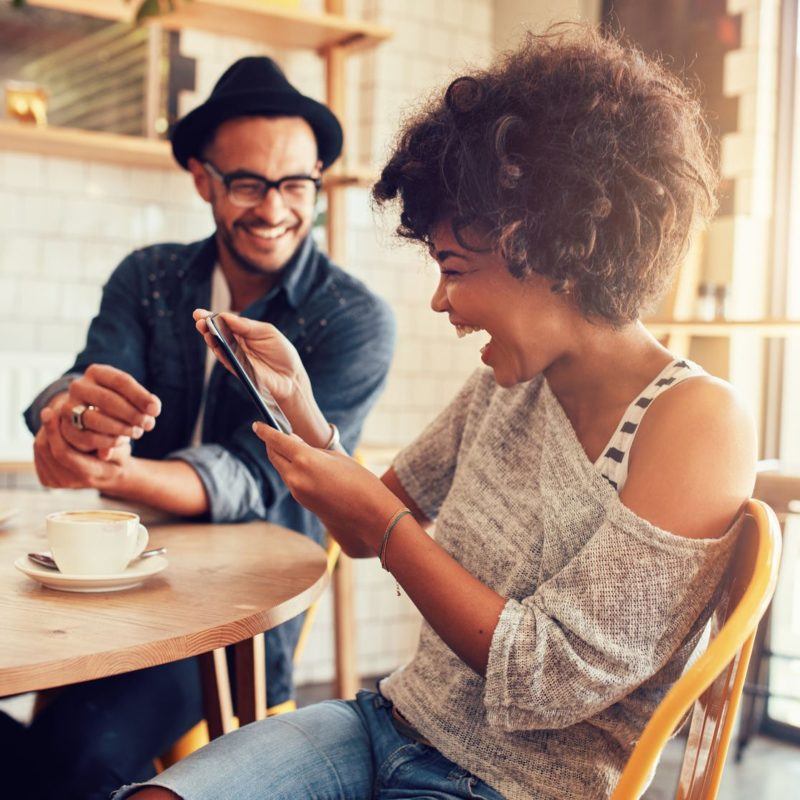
225 584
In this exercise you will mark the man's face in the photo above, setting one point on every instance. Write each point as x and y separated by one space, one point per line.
263 238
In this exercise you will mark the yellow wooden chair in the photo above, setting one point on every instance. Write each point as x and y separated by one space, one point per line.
198 736
712 686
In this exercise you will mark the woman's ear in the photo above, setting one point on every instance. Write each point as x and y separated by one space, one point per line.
202 180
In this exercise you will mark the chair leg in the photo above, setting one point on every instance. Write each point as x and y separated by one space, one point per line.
217 701
749 720
344 629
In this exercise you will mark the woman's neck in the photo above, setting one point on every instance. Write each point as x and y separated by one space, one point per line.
601 373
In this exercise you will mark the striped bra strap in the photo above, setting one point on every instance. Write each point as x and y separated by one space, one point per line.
613 463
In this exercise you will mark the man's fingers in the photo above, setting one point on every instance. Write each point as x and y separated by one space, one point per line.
88 441
94 419
82 467
115 454
111 404
126 385
51 472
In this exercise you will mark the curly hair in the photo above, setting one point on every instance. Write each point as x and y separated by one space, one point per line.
582 160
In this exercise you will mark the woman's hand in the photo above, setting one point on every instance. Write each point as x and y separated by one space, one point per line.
278 369
353 504
277 365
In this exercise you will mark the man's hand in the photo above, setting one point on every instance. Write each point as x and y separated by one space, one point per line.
68 457
59 465
122 409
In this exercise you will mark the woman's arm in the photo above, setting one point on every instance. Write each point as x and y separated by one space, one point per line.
693 471
357 507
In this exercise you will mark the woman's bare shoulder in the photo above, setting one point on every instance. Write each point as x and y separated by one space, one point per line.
692 464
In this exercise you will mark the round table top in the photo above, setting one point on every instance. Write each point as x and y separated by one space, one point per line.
224 583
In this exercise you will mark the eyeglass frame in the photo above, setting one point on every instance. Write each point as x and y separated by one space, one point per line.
226 178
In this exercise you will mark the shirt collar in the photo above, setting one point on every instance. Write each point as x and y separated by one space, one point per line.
297 277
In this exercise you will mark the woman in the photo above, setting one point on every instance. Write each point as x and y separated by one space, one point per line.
585 485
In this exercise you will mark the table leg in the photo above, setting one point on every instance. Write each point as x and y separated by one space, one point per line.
251 679
216 687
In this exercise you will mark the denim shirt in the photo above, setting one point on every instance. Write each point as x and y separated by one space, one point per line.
343 333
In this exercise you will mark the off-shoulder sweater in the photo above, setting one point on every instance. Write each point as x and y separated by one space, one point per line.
604 609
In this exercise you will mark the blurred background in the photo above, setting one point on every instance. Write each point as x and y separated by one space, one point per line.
92 86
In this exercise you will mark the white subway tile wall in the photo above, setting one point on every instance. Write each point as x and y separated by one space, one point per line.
66 223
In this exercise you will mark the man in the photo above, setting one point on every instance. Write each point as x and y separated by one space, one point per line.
146 415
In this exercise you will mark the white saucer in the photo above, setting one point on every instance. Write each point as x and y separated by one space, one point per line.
7 514
135 574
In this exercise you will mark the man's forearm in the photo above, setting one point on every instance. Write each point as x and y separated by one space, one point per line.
171 486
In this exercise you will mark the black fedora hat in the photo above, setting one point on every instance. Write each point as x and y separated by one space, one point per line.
255 86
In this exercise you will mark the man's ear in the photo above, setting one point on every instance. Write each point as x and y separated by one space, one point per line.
202 180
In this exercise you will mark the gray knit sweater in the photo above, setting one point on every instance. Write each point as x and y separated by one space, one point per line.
604 608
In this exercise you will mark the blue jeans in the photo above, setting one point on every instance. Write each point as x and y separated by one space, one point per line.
337 750
97 735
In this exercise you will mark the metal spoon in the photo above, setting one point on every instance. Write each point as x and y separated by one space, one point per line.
44 560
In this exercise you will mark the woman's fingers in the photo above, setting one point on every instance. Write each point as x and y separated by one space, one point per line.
246 327
200 316
287 446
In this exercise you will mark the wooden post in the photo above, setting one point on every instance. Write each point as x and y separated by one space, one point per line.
152 82
335 80
344 610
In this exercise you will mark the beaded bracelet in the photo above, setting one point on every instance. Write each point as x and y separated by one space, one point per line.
398 515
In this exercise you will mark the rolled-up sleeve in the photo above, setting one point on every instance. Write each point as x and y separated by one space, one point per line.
33 414
234 494
604 624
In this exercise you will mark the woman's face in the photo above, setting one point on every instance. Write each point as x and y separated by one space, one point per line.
528 324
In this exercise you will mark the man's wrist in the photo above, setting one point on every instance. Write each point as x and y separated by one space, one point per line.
127 482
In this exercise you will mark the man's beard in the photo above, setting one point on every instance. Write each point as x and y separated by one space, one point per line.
245 263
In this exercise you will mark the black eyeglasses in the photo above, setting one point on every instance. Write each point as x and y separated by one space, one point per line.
246 189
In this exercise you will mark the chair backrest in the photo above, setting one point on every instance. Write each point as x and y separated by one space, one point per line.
712 686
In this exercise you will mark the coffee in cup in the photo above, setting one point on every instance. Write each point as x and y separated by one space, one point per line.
95 542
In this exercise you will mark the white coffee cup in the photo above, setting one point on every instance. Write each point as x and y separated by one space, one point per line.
95 542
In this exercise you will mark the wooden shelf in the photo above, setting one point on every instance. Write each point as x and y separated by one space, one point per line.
250 19
760 327
90 145
130 151
115 10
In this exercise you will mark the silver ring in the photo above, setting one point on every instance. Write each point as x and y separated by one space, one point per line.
77 415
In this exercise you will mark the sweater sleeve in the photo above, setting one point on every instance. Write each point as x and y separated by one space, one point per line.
425 468
602 625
